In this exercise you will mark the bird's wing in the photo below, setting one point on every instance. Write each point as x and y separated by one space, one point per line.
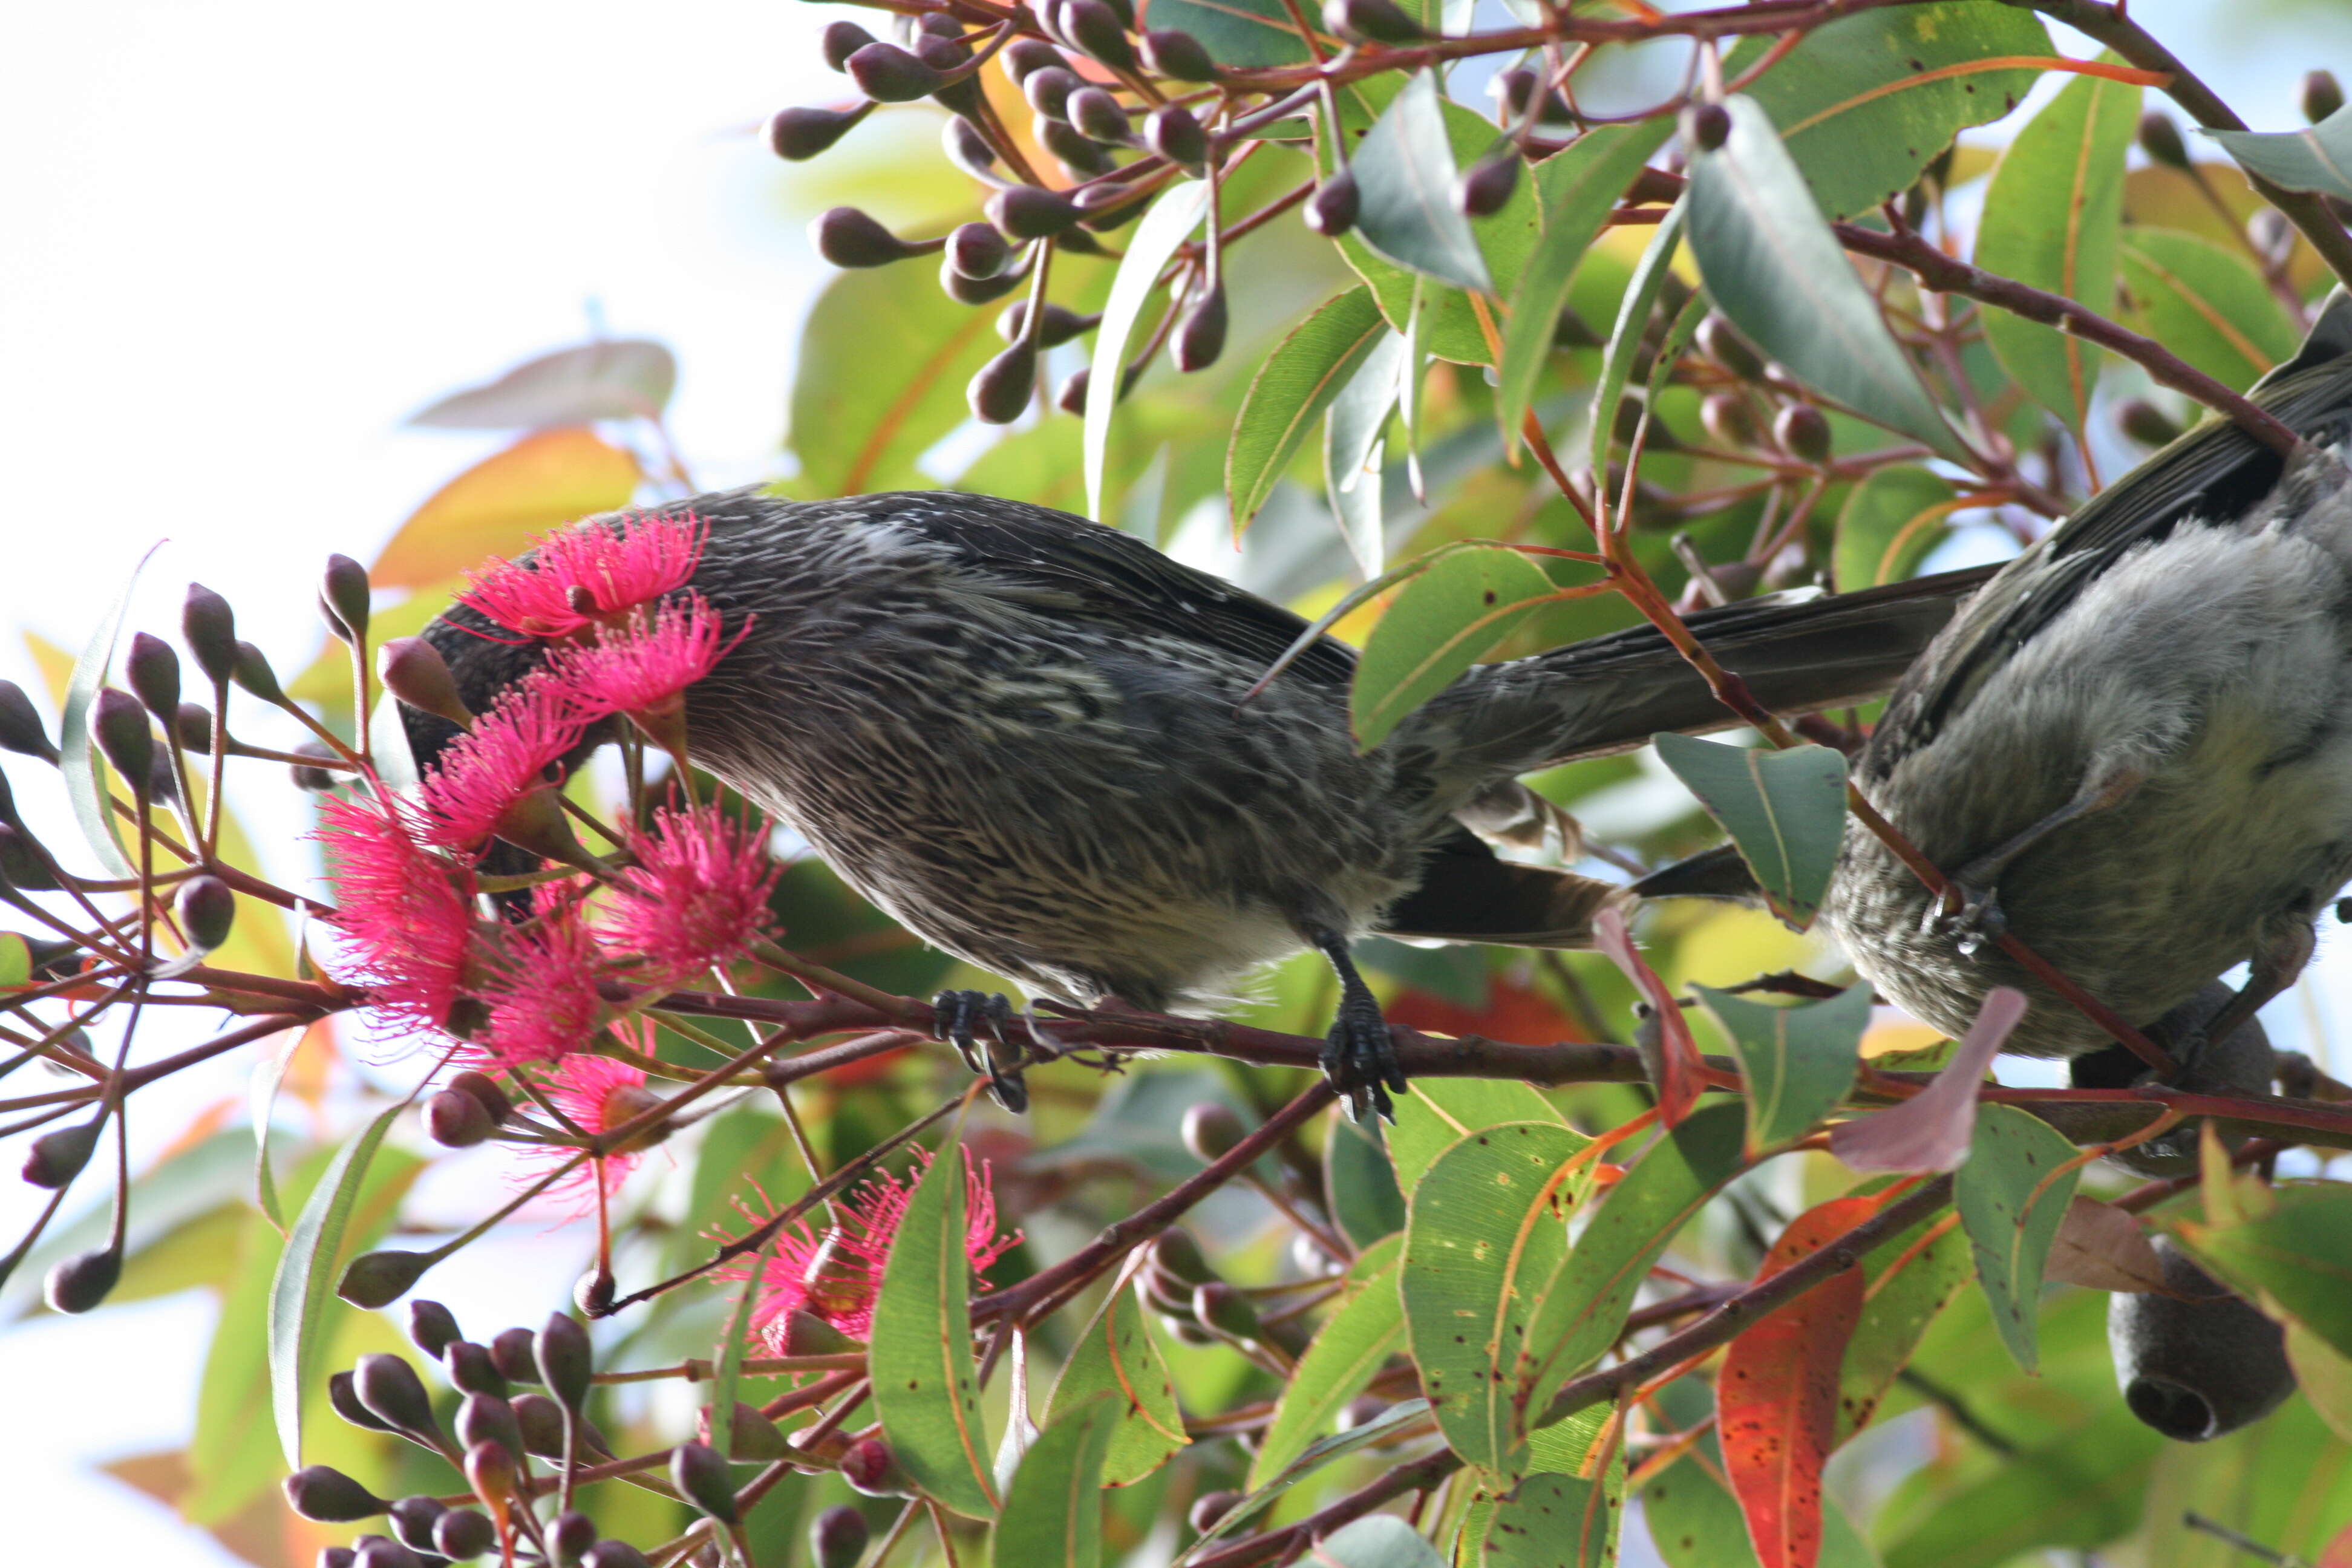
2215 472
1097 571
1468 893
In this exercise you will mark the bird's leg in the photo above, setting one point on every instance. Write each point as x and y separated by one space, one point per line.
1979 917
1359 1054
960 1018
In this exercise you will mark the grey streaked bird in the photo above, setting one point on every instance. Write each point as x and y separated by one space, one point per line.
1025 736
2132 749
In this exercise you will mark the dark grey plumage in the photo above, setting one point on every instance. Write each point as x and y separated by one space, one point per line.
1024 735
2134 748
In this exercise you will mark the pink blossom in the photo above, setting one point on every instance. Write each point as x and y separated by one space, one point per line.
697 895
542 997
589 571
405 913
598 1094
644 664
835 1274
484 774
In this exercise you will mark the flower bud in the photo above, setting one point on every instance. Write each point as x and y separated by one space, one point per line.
484 1087
1721 341
380 1279
1374 21
751 1436
1727 417
1070 397
1209 1508
209 627
1081 156
1025 57
966 291
2160 138
326 1494
21 865
841 40
413 670
490 1471
1485 186
208 911
487 1419
193 726
1097 115
20 726
2147 424
153 670
888 74
382 1552
848 238
1200 334
389 1386
1331 210
869 1467
462 1534
1177 54
345 1399
566 1364
1175 1253
570 1537
335 1557
120 726
1000 391
2193 1360
1099 30
1211 1129
253 675
1174 132
978 250
1226 1309
614 1555
798 135
698 1471
57 1158
432 1327
837 1538
541 1422
1057 324
457 1121
343 595
1802 431
312 777
1048 90
1707 126
412 1519
514 1352
80 1282
2322 96
1513 90
968 148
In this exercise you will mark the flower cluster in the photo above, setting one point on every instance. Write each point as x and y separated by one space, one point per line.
582 575
697 895
597 1094
835 1274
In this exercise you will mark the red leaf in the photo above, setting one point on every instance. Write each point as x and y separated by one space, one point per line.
1777 1401
1514 1013
1678 1070
1933 1129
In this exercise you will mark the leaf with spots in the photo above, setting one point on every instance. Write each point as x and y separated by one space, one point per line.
1353 1343
921 1358
1695 1522
2012 1210
1797 1062
1910 1278
1440 624
1053 1509
1777 1400
1118 1359
1583 1305
1558 1521
1487 1226
1442 1110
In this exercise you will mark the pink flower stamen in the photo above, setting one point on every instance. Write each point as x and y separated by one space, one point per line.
697 896
588 573
543 998
645 664
406 914
598 1094
484 774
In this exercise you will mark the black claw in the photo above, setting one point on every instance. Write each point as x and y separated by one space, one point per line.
961 1017
1360 1058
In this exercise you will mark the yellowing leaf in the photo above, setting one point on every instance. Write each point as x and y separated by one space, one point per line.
501 504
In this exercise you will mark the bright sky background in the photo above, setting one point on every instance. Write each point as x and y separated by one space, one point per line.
243 241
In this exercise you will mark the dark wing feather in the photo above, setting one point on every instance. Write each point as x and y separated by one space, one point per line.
1468 893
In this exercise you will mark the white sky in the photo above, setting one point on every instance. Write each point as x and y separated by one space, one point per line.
239 242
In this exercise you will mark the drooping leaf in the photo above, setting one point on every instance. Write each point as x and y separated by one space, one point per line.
1557 1522
883 362
304 1282
268 1075
1405 174
1171 221
2012 1215
1650 275
1117 1361
1488 1228
1785 810
1798 1061
920 1357
1669 1052
1911 1279
1439 624
619 378
1773 266
1053 1509
1350 1347
1777 1399
1359 1185
2050 220
2101 1247
2296 1257
2082 1489
1353 452
85 770
1380 1540
1236 32
1868 101
1441 1110
1887 526
1583 1307
1290 392
2316 158
1578 187
2206 304
1932 1131
502 504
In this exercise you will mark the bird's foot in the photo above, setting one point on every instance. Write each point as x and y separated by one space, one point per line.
1980 919
961 1018
1360 1058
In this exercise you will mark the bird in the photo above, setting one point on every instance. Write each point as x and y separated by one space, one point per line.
2131 749
1037 741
